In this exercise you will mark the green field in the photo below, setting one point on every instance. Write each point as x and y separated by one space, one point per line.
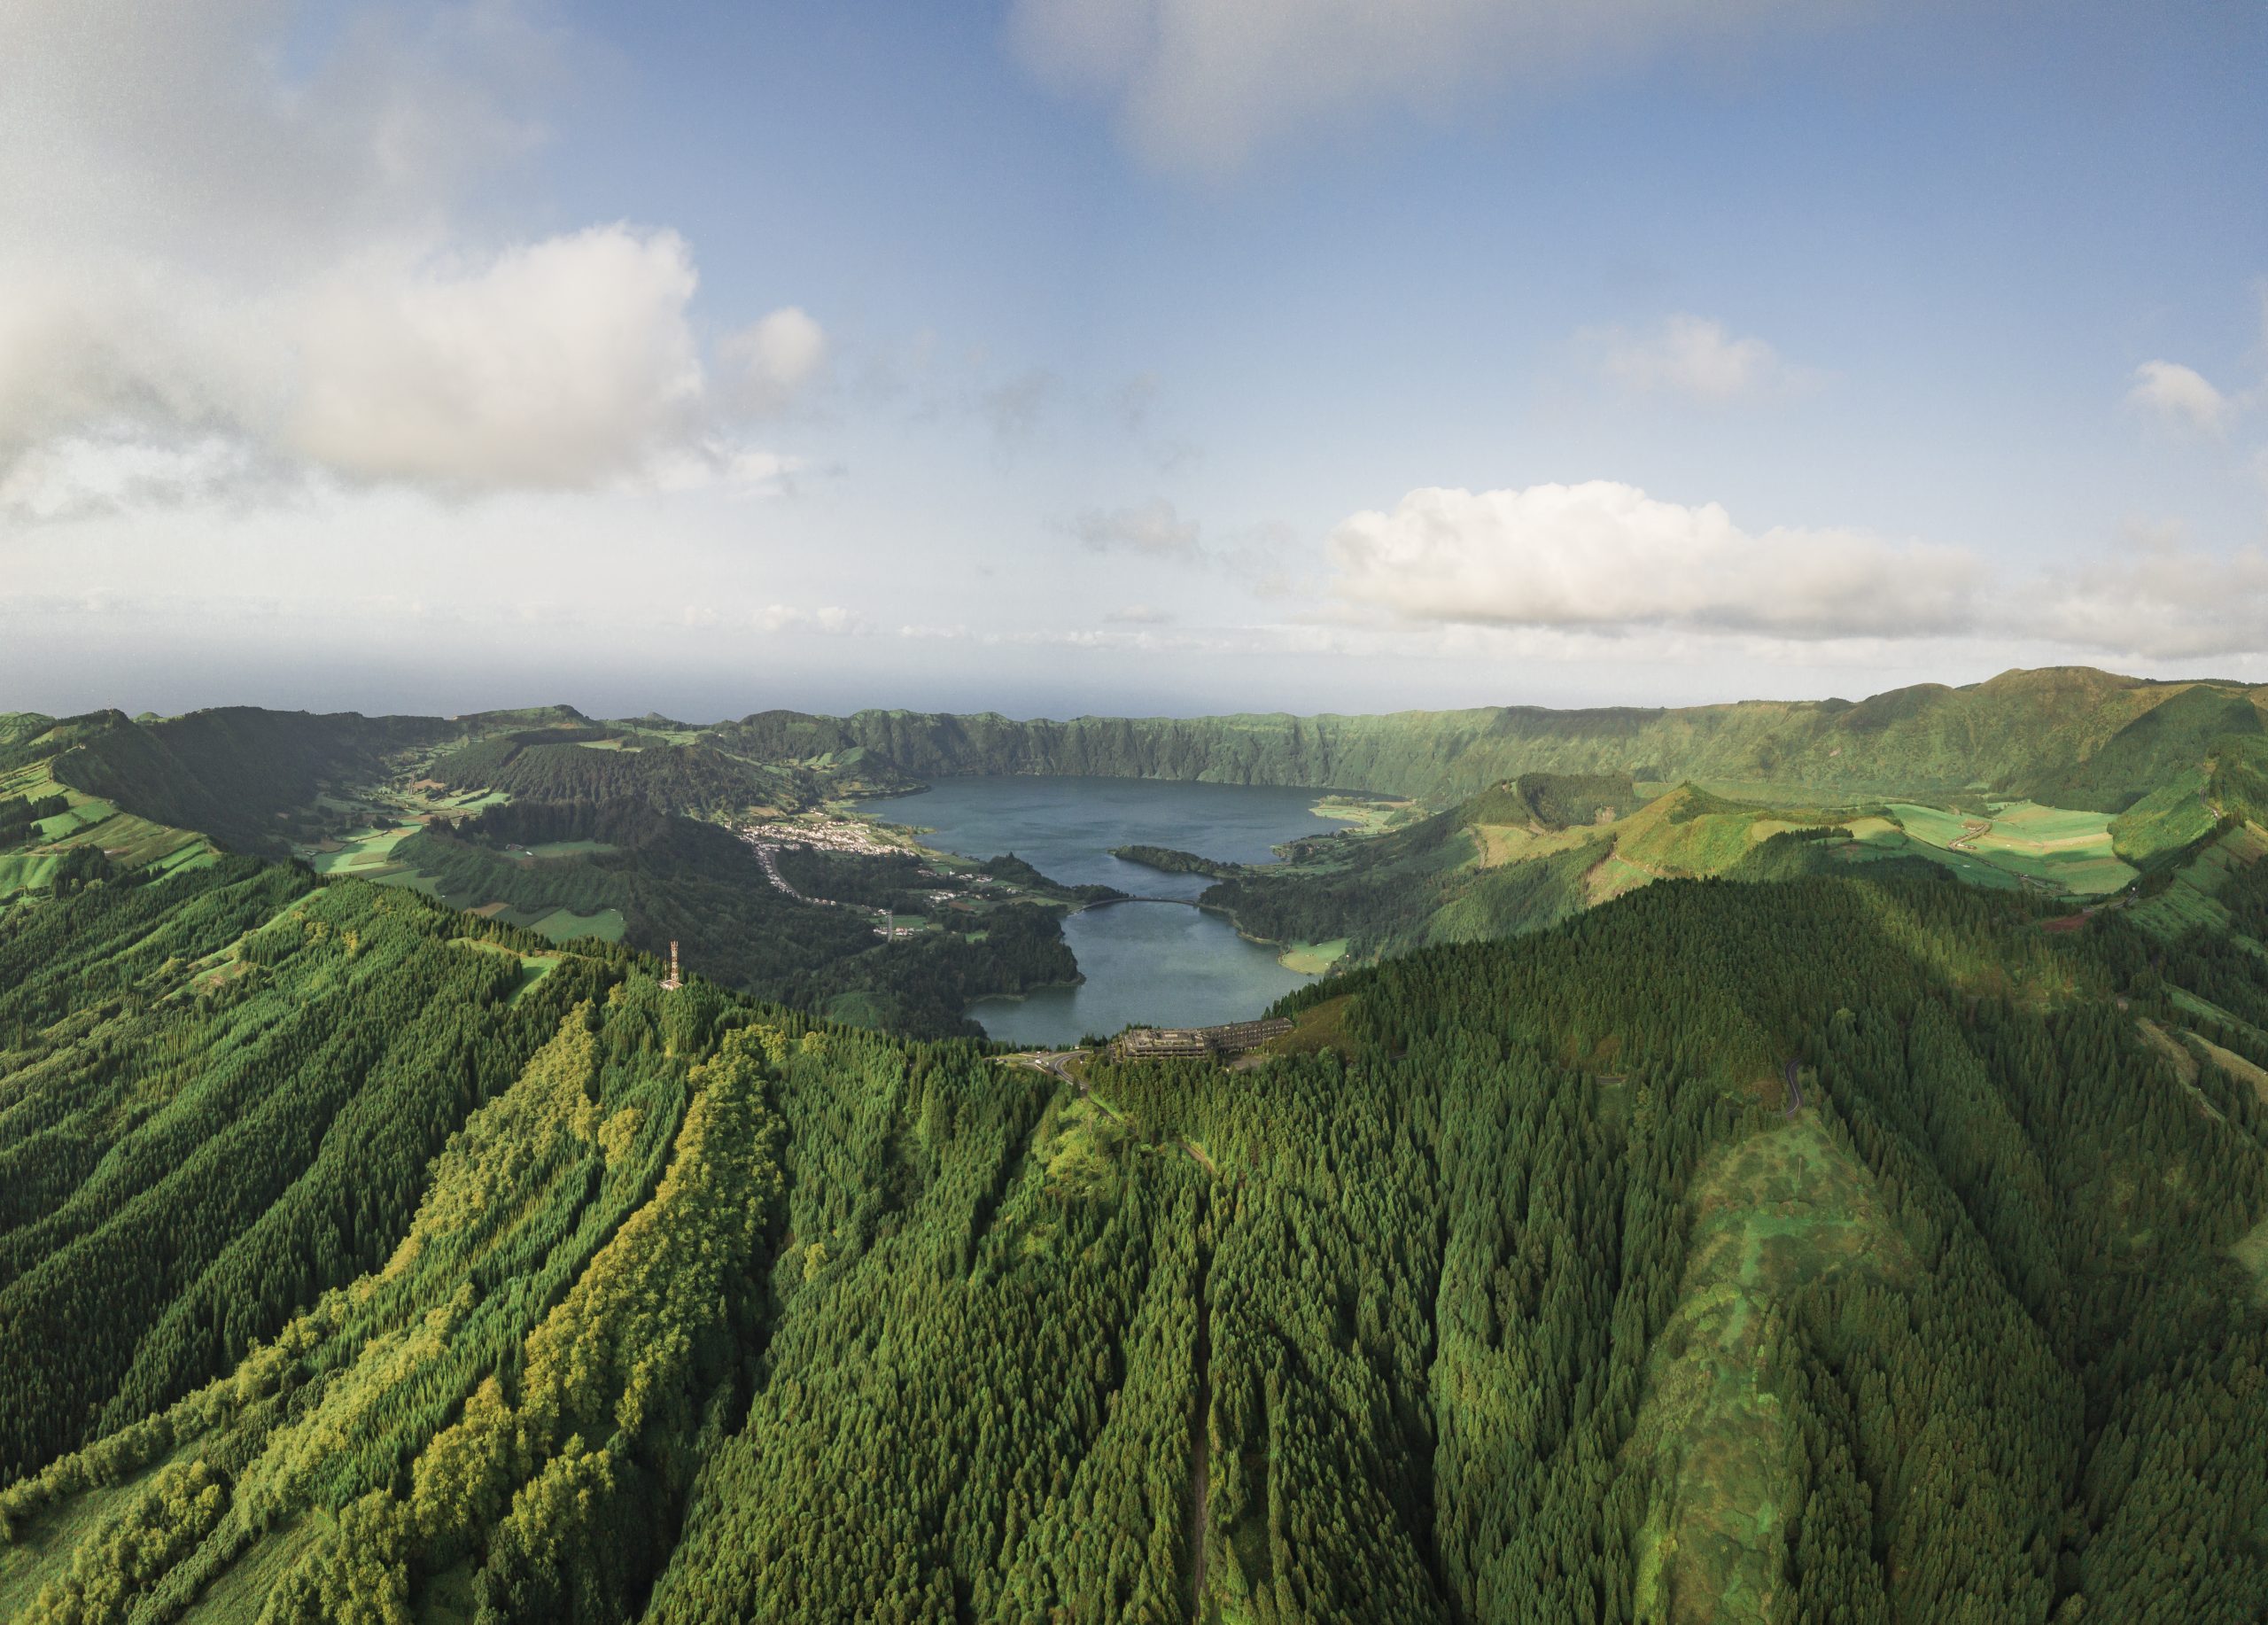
358 854
134 842
561 849
19 870
1313 958
2193 899
563 925
2056 847
2167 819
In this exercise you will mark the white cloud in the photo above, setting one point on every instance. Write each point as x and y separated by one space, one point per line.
562 364
1203 85
1155 530
2174 391
1700 359
773 361
207 249
1140 615
1606 555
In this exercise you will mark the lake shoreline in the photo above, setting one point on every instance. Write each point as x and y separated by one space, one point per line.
1187 965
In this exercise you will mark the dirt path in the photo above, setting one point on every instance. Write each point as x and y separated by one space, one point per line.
1974 829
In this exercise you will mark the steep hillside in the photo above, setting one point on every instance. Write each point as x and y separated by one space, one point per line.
1795 1251
234 773
2095 740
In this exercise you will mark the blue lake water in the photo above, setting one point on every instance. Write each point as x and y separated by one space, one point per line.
1152 962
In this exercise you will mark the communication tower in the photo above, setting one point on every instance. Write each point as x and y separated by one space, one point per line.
673 980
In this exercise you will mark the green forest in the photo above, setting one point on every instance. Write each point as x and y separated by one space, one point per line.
1800 1249
1699 1207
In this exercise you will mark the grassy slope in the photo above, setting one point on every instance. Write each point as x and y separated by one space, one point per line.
1491 867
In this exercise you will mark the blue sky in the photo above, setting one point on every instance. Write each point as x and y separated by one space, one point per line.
1114 355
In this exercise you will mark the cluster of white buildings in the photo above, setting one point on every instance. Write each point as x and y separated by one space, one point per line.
852 838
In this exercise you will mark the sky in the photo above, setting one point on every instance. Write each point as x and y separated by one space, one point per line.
1125 356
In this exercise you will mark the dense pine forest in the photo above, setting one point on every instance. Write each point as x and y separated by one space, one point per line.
1819 1249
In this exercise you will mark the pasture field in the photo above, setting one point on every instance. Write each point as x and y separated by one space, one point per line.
2191 900
1312 958
561 849
358 854
403 876
564 925
1968 866
84 813
1693 833
32 782
2166 821
1498 844
1614 876
135 841
42 1551
241 1592
18 870
1931 825
534 966
2060 848
1368 817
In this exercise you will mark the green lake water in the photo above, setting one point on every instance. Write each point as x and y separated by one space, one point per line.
1162 963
